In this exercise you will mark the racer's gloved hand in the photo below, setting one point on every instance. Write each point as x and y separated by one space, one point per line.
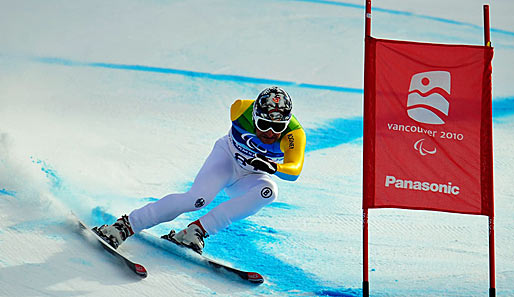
261 163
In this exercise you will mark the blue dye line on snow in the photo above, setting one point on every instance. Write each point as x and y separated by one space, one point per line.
100 216
148 199
407 13
245 239
249 238
503 107
195 74
49 172
7 192
242 240
282 205
333 133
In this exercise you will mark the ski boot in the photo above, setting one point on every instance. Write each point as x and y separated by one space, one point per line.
116 233
191 237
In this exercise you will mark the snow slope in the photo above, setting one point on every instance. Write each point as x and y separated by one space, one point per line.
106 106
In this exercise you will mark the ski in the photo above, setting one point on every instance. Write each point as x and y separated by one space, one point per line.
187 253
138 269
252 277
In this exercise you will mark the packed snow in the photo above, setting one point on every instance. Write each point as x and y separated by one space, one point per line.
108 105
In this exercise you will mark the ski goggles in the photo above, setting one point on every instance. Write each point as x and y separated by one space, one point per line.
265 125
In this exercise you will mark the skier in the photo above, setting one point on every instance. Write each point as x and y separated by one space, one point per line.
265 139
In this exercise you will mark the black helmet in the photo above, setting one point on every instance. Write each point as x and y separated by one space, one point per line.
273 104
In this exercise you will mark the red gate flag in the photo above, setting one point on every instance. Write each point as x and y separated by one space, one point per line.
428 127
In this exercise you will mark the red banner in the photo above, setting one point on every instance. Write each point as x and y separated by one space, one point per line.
428 127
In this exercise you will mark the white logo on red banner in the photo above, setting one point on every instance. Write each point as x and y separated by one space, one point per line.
418 145
426 122
426 102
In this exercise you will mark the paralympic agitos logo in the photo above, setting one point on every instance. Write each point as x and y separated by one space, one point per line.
248 137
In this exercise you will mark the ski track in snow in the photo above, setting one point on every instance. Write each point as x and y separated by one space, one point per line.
99 139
